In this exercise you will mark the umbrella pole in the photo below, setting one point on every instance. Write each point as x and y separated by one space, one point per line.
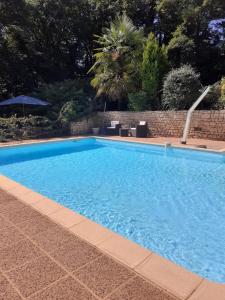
23 110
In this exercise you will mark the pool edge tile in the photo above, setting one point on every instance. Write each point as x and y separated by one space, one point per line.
175 279
91 232
46 206
7 184
124 250
30 197
66 217
208 290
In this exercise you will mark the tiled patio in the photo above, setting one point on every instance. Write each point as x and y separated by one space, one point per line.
41 260
174 141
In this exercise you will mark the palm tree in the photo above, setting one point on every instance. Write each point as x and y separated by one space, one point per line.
117 65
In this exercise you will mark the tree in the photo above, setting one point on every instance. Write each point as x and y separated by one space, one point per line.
57 94
181 88
154 66
46 41
181 49
117 65
169 16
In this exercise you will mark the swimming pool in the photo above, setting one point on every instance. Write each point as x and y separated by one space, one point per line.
171 201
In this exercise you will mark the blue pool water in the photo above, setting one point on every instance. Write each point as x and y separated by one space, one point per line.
170 201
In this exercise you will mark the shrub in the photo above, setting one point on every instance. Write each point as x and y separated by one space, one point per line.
213 99
67 113
138 101
14 128
222 98
181 88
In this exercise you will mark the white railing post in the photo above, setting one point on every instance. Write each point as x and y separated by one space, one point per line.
189 115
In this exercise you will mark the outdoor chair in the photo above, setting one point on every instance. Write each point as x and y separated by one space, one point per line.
114 128
141 130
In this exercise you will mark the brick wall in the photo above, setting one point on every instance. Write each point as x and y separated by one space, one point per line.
85 125
204 124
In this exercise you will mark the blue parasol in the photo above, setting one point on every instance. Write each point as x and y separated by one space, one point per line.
24 100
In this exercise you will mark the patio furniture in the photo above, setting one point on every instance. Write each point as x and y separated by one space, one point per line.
124 132
114 128
141 130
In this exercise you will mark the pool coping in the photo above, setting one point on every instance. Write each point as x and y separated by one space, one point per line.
112 138
153 267
180 147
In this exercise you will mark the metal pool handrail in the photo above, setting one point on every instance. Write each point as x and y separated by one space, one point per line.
189 115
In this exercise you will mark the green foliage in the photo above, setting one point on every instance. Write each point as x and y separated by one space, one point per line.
223 90
181 88
60 93
181 49
138 101
187 23
67 113
15 128
169 17
117 61
43 42
154 66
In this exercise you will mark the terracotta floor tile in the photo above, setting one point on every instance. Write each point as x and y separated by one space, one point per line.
65 289
3 223
18 212
10 236
7 292
36 225
11 206
75 253
5 197
18 254
103 275
52 239
139 289
35 275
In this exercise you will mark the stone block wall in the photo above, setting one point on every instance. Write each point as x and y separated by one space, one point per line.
204 124
84 125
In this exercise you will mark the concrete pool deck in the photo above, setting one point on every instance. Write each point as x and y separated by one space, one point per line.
50 252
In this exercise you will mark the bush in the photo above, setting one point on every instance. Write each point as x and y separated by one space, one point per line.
67 113
181 88
213 99
222 98
138 101
14 128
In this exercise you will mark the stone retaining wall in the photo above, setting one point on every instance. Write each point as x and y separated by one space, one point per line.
204 124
